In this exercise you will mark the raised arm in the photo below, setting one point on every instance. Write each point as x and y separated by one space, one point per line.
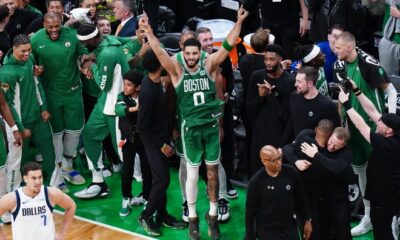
168 63
7 203
215 59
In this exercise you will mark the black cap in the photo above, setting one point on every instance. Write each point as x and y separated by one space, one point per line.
391 120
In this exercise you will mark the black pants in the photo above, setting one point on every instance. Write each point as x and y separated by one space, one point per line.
335 219
228 145
289 233
381 218
129 151
160 175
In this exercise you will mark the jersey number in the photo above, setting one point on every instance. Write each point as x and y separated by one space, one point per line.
198 98
44 219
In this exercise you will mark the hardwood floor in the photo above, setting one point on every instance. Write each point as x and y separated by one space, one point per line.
83 230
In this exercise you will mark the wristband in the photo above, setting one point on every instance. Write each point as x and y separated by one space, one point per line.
14 128
356 90
358 93
226 46
347 105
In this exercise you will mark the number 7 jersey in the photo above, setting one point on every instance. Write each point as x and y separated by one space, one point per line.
196 94
33 217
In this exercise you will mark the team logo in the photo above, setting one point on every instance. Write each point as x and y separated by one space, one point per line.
126 51
67 44
310 114
5 87
288 187
202 72
19 26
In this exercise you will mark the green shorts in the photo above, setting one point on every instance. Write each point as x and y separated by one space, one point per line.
66 111
201 142
3 151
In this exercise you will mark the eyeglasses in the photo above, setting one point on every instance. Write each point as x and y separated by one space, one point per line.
275 160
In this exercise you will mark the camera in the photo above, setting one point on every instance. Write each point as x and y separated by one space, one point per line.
339 69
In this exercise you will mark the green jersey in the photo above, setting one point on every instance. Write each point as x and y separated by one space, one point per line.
22 90
59 59
322 84
196 94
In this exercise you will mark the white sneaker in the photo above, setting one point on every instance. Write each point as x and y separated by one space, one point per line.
94 190
396 227
138 200
72 176
125 208
362 228
107 173
6 218
223 210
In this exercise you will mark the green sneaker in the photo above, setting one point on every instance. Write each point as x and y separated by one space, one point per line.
125 208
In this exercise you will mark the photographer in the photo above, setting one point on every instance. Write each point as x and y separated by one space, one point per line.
371 79
383 171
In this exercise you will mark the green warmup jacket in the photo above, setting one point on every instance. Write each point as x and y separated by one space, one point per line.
108 70
23 91
59 59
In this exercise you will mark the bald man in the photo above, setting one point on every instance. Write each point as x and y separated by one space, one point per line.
275 193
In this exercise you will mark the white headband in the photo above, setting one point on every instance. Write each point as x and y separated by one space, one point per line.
314 52
87 37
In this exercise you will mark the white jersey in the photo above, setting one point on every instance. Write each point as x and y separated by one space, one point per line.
33 217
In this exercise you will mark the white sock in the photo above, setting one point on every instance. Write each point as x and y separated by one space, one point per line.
66 163
182 177
192 210
58 146
213 209
98 176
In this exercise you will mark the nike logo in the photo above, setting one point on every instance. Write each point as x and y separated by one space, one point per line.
42 46
216 115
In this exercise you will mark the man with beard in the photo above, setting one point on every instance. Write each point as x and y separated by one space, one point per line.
107 71
57 49
193 73
307 105
52 6
268 103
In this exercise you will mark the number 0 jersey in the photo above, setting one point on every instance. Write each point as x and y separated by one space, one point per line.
196 94
33 217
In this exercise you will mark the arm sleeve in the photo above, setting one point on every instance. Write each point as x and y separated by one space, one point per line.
335 165
301 201
289 153
251 209
253 101
120 106
103 71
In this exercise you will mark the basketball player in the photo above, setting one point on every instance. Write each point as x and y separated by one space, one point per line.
32 208
192 73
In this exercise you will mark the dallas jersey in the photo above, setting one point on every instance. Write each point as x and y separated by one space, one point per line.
196 94
33 217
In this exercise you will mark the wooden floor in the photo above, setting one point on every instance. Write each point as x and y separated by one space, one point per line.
83 230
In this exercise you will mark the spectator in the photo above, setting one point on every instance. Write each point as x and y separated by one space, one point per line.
135 49
104 25
370 78
268 103
275 193
383 171
19 18
5 41
328 48
124 11
282 18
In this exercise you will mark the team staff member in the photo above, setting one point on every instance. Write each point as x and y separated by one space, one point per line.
335 164
192 75
372 80
383 170
57 49
32 208
275 193
25 97
107 71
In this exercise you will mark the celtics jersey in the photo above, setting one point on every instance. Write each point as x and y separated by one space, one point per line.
196 94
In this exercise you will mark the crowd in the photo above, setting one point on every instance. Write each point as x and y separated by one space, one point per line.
95 78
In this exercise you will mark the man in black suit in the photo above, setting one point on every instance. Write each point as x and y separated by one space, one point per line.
124 11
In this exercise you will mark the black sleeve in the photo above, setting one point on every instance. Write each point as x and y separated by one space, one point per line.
36 25
333 114
253 101
301 201
290 154
251 208
29 15
227 72
144 119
